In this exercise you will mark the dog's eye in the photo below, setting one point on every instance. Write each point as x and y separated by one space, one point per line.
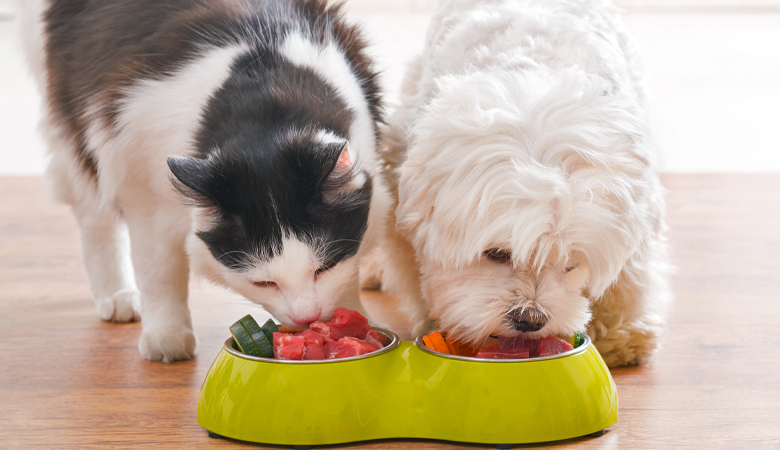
329 264
570 268
264 284
498 255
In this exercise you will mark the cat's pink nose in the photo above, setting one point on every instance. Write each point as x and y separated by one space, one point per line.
306 319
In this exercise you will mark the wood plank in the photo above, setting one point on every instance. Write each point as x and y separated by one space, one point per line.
69 380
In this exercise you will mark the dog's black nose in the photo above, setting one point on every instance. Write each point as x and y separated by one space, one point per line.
529 320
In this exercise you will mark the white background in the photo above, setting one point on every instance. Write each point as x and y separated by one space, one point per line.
713 74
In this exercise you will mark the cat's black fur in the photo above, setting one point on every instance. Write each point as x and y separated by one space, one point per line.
267 114
268 175
266 178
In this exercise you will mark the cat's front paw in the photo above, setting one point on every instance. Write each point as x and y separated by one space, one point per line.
121 307
168 343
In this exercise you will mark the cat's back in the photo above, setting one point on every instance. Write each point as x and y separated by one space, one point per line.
106 66
98 48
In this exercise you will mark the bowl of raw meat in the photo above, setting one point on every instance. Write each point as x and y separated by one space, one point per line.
317 391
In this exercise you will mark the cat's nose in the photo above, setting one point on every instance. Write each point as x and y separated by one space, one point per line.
529 319
305 320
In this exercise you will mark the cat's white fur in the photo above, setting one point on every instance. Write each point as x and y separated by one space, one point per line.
134 212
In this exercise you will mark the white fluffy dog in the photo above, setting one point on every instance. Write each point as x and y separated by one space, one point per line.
523 170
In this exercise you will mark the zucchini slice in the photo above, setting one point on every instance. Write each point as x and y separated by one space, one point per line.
258 336
269 328
579 339
244 341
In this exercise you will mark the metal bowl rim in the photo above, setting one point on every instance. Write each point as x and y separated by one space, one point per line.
395 341
575 351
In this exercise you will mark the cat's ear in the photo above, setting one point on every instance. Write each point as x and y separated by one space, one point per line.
194 178
342 178
345 162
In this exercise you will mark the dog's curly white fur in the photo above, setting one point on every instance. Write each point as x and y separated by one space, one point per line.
522 129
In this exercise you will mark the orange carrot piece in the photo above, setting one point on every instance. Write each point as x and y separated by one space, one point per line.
427 342
438 342
451 346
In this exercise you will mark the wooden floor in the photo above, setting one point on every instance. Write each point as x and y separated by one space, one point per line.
68 380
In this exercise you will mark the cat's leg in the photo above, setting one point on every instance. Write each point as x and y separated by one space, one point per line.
105 248
157 236
351 298
629 321
401 279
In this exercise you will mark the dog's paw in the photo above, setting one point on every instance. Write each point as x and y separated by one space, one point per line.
123 306
168 344
627 346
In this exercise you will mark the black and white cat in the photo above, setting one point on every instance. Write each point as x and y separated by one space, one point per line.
264 115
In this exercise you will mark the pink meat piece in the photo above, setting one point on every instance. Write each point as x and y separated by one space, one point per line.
288 346
324 329
551 345
374 340
313 343
517 342
350 323
506 353
347 346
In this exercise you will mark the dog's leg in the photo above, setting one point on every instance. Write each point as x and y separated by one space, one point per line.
629 321
157 236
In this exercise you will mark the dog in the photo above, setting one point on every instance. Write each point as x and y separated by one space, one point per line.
522 168
238 138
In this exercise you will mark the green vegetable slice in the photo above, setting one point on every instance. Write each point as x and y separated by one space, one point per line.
244 341
265 346
258 336
269 328
579 339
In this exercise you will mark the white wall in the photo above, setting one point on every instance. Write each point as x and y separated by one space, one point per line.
713 78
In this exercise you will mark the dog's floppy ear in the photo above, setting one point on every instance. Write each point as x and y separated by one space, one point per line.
194 178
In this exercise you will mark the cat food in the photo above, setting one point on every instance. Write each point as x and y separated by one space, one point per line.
253 339
346 334
503 347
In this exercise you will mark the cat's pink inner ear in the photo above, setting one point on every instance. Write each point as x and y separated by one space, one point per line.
344 164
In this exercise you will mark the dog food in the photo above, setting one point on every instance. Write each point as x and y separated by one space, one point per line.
503 347
346 334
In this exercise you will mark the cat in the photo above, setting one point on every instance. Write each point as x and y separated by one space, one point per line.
236 137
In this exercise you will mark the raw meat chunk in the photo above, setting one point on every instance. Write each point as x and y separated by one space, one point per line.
551 345
350 323
347 346
287 346
313 344
506 353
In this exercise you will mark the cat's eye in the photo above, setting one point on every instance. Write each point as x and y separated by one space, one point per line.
570 268
498 255
264 284
329 264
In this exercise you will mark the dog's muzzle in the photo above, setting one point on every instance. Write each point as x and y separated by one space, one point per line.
529 319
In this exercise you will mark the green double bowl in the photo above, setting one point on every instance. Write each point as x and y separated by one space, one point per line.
406 390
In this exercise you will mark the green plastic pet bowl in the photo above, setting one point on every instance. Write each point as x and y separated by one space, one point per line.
406 390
